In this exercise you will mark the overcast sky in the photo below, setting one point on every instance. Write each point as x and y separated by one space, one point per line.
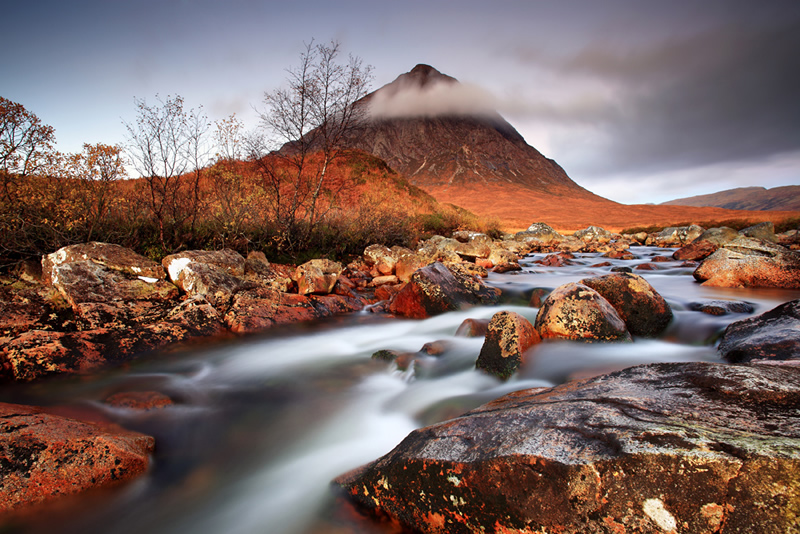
639 101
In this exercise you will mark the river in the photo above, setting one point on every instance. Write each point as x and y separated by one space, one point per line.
260 426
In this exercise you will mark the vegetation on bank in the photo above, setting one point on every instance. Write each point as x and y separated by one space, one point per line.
291 189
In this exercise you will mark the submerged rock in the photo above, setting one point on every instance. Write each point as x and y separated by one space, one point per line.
693 447
578 312
746 262
639 305
773 335
721 307
508 336
44 456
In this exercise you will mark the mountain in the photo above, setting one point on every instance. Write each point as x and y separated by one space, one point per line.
747 198
447 139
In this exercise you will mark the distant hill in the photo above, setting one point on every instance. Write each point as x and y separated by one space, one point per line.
786 198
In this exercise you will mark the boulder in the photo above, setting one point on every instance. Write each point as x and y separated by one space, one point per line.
594 233
44 456
677 236
218 286
643 309
578 312
764 231
381 258
317 276
773 335
719 236
112 257
508 336
678 447
407 264
227 260
697 250
472 328
435 289
538 233
747 262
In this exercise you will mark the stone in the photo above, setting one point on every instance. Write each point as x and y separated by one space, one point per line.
594 233
747 262
539 234
697 250
111 257
227 260
435 289
407 264
639 305
764 231
721 307
677 236
719 236
381 258
675 447
472 328
139 400
559 259
773 335
218 286
538 296
621 269
317 276
578 312
88 281
508 336
44 457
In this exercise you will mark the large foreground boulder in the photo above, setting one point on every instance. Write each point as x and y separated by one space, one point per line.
693 447
747 262
773 335
436 289
112 257
44 456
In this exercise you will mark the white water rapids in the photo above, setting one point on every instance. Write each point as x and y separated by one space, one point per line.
260 427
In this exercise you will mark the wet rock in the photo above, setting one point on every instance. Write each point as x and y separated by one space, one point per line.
747 262
472 328
407 264
773 335
575 311
435 289
111 257
643 309
504 259
621 269
559 259
692 447
39 353
43 456
722 307
538 295
139 400
619 255
698 249
506 268
764 231
508 336
649 266
317 276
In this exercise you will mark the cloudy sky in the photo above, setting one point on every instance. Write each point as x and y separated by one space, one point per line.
639 101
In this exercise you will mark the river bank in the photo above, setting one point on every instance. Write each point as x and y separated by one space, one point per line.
262 378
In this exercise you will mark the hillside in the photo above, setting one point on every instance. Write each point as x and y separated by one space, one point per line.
747 198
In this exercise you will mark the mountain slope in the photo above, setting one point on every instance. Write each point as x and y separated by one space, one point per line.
747 198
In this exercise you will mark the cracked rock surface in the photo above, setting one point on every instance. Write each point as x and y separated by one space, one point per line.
679 447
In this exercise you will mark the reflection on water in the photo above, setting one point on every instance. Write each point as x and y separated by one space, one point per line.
259 428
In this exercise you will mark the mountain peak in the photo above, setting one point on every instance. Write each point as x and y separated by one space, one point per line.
420 76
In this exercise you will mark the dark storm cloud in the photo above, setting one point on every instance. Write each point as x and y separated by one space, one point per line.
728 93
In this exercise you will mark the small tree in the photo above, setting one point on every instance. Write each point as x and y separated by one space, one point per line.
97 168
307 126
167 145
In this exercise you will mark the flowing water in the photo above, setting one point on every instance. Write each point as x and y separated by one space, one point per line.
260 427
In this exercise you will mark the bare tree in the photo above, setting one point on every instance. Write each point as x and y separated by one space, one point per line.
307 126
24 145
166 143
